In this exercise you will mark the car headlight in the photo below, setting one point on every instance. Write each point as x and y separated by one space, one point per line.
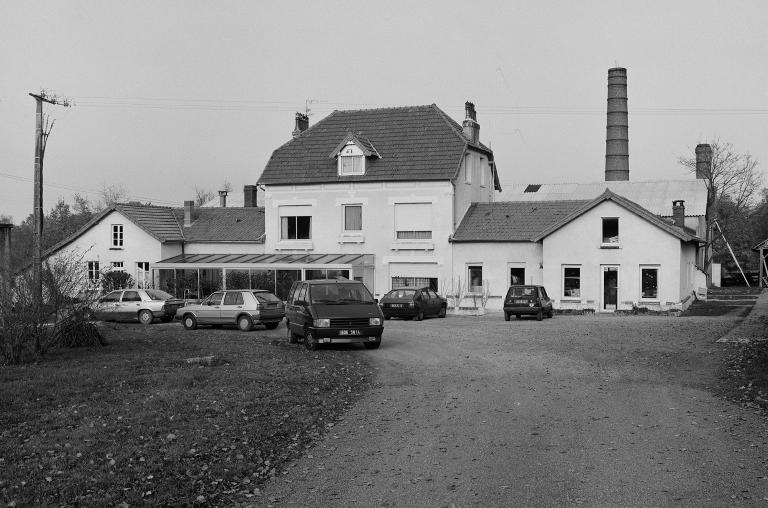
411 304
374 321
322 323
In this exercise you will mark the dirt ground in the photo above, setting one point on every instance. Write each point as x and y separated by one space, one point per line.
575 410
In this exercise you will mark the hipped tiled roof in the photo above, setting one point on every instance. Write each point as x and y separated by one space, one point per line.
414 143
511 221
224 225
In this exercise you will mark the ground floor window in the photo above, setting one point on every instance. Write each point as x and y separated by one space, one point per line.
414 282
516 276
143 278
649 282
475 278
93 272
117 266
571 281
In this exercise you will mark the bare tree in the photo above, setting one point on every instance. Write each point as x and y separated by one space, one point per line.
112 194
733 183
202 196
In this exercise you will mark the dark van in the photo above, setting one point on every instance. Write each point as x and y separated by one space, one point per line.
531 300
333 311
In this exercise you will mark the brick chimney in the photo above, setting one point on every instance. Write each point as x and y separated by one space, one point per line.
223 198
703 160
189 210
302 124
617 127
250 193
678 213
470 127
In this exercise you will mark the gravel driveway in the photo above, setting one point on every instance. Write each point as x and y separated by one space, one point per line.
575 410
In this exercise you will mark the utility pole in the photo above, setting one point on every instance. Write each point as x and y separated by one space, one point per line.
41 137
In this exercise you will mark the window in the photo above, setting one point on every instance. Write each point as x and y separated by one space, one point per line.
131 296
571 282
142 274
413 221
353 217
610 231
117 235
351 164
114 296
296 228
93 271
234 298
475 278
302 295
469 167
117 266
649 282
214 299
414 282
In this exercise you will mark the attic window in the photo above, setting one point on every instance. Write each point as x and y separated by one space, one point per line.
351 161
533 188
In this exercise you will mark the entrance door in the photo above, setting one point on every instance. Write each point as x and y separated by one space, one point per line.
610 288
516 276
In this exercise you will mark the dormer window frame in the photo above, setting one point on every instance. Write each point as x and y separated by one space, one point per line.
352 157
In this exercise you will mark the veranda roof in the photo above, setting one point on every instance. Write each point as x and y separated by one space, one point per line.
250 260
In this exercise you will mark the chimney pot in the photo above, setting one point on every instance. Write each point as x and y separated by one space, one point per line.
703 160
470 127
302 124
223 198
617 127
678 212
189 207
250 193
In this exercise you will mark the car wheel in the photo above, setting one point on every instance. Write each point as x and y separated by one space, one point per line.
146 317
310 342
540 315
189 322
245 323
419 316
441 314
506 316
373 345
272 326
551 314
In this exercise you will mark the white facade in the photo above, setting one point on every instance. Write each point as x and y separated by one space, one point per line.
641 245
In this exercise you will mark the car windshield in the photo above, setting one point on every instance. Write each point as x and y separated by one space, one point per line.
156 294
266 297
340 293
401 293
522 291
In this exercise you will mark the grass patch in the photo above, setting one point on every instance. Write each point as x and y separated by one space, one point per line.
134 423
746 373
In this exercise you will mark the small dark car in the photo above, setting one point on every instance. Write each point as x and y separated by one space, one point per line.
331 311
531 300
413 303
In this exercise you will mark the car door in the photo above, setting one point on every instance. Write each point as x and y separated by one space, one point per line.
434 303
107 306
210 309
129 305
231 307
300 315
546 303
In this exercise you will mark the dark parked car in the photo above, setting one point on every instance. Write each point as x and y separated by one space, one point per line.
142 304
413 303
241 307
531 300
333 311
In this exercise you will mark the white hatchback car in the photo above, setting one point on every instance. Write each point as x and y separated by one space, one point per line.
241 307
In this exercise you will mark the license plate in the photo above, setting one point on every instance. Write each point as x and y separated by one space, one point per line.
396 305
349 332
521 301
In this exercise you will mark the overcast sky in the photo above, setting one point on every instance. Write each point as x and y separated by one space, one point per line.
173 95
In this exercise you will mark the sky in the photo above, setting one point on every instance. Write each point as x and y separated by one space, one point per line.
174 96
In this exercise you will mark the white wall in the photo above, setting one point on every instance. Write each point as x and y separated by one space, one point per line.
430 258
479 189
641 243
96 245
496 258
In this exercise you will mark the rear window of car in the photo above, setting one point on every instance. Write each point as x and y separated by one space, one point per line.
156 294
346 293
522 291
401 293
266 297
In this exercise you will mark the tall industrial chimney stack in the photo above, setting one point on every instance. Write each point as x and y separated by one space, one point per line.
617 130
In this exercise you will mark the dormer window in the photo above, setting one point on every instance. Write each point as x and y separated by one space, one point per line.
353 154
